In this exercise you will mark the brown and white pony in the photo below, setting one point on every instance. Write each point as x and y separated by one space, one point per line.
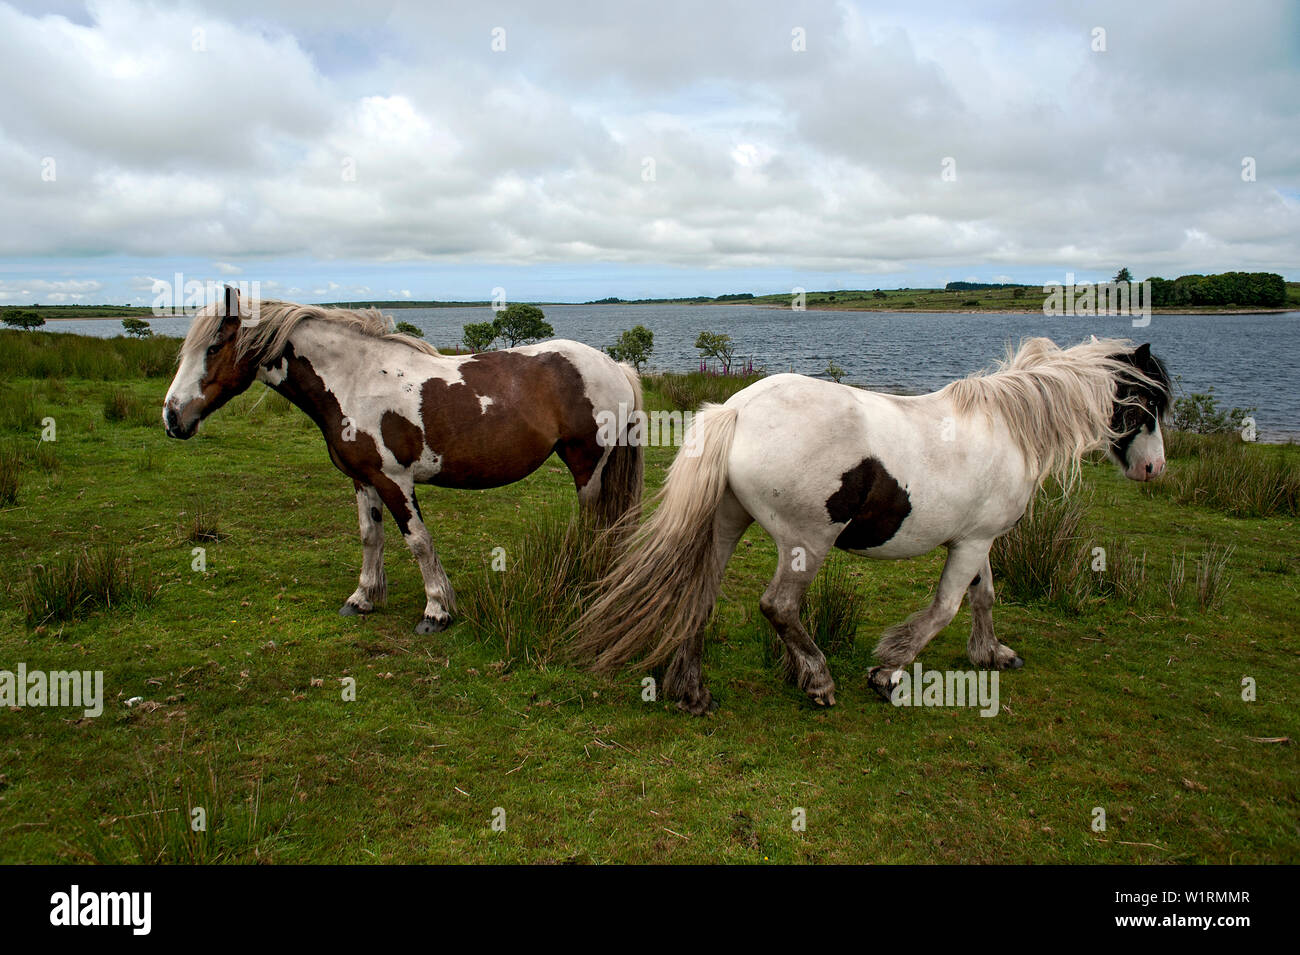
822 465
396 413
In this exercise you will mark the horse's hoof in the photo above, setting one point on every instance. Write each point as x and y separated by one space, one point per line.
883 680
432 625
350 610
699 704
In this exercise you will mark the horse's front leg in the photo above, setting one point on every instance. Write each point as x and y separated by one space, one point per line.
900 644
373 587
440 599
984 649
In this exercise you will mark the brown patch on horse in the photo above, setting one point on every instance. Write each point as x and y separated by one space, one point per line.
873 504
356 454
537 406
401 437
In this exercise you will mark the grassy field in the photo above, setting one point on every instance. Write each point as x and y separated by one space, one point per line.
1130 705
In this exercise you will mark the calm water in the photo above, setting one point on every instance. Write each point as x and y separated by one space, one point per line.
1250 360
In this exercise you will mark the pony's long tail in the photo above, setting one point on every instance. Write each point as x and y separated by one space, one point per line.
622 478
664 580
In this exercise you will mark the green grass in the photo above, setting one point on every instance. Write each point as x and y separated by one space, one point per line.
1136 708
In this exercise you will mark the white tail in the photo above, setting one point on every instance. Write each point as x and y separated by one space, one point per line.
665 579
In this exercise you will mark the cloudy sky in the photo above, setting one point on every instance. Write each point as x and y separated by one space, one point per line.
574 150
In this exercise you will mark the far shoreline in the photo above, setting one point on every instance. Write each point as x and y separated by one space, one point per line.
765 305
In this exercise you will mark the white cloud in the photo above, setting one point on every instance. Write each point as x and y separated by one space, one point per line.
401 136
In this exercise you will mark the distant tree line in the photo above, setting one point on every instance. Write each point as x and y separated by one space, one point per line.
978 286
1260 289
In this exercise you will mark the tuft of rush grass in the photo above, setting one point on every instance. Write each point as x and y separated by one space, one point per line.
528 597
15 456
1042 557
11 459
204 826
686 392
204 526
1212 578
1048 559
1123 576
18 407
1176 582
1221 471
123 406
833 606
68 588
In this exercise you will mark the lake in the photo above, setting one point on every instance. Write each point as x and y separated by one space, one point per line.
1250 360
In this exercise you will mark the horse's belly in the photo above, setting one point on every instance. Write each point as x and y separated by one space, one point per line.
494 460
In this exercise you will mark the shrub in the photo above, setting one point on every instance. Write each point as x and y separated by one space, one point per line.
633 346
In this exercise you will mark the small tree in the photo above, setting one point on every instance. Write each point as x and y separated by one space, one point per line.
137 327
1123 275
834 372
712 345
479 336
520 324
406 328
633 346
24 320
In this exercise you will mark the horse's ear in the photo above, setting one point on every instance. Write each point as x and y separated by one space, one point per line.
1142 355
232 302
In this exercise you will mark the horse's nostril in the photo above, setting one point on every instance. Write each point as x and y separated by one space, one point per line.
1150 467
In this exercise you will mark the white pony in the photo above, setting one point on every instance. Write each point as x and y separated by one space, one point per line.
822 465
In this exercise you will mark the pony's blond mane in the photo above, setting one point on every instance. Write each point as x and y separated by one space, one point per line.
266 334
1056 402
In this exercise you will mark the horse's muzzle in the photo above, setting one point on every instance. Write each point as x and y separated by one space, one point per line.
174 426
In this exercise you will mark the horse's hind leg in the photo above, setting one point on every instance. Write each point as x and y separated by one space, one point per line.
373 587
805 665
984 648
684 680
900 644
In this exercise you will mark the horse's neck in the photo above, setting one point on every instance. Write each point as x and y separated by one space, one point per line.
339 359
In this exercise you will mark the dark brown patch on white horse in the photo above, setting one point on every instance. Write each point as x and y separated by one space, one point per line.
538 406
871 503
354 452
403 438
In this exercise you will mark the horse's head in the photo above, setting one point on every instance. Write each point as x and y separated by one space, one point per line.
1141 401
212 368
